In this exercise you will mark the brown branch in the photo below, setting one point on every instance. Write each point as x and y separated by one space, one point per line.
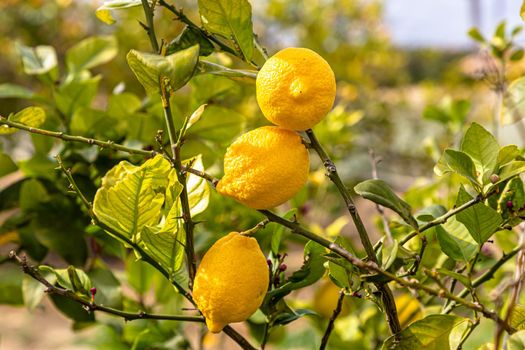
90 305
330 327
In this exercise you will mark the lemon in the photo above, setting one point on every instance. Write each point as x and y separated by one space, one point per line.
295 88
408 309
325 300
231 281
265 167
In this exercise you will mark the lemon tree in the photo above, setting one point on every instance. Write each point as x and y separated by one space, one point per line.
116 195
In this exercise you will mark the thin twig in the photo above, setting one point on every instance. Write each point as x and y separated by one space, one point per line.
67 137
374 161
90 305
335 314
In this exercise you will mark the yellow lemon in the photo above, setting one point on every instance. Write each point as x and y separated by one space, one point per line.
325 300
265 167
408 309
295 88
231 281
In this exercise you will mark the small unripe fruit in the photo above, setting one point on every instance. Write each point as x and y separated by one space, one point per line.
494 178
510 205
93 291
283 267
269 262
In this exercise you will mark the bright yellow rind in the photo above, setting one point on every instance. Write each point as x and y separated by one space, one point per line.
295 88
265 167
231 281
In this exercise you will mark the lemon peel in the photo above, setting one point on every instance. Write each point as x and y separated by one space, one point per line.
265 167
231 281
295 88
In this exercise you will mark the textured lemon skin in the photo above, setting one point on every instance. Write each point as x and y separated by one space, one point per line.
231 281
295 88
265 167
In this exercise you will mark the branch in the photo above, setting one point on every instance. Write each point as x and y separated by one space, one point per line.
386 294
335 314
148 13
66 137
443 218
90 304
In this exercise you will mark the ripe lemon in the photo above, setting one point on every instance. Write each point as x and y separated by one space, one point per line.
408 309
325 300
295 88
265 167
231 281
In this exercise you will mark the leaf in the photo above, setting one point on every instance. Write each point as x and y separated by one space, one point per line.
481 220
476 35
91 52
76 93
457 162
279 231
311 271
37 60
482 147
15 91
195 116
517 319
230 18
517 340
197 188
244 75
455 240
285 318
109 292
510 170
71 278
131 197
457 276
30 116
33 291
191 36
149 68
507 154
139 274
167 248
434 332
103 13
380 192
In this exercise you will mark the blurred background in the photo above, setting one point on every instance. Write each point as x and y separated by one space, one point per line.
410 79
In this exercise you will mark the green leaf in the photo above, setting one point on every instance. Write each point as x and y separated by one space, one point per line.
37 60
510 170
380 192
507 154
476 35
103 13
434 332
15 91
516 340
244 75
457 162
76 93
30 116
230 18
140 275
455 240
177 68
167 248
32 195
482 147
91 52
71 278
72 309
279 231
109 292
131 197
457 276
33 291
481 220
197 188
191 36
311 271
517 319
